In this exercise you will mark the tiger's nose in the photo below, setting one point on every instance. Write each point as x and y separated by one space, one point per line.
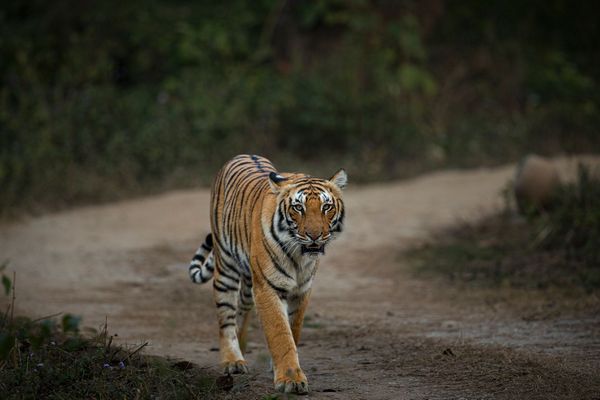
313 236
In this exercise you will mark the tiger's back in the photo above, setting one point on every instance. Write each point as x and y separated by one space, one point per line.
236 196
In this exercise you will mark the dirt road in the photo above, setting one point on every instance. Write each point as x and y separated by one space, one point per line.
373 330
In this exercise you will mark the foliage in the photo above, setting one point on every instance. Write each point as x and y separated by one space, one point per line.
41 359
574 223
104 99
6 281
46 359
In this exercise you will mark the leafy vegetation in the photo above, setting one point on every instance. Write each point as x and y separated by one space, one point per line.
558 248
574 223
103 99
46 358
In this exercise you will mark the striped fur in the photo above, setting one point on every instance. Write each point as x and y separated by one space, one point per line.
268 229
202 266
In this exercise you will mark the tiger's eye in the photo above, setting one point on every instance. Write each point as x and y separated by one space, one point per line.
298 207
327 207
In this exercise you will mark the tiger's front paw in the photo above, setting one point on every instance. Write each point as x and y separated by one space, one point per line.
235 367
292 381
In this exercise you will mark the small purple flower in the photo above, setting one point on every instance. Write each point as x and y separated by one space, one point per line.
121 364
106 365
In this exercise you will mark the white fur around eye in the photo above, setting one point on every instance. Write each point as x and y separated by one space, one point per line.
325 197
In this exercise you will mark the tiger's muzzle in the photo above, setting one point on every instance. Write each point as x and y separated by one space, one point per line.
313 248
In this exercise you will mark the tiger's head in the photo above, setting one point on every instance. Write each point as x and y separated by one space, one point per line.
310 211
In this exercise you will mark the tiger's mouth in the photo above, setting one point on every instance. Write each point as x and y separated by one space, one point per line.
313 249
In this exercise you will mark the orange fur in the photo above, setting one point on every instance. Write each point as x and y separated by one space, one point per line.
268 229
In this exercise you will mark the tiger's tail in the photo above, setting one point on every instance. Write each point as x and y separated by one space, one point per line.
202 266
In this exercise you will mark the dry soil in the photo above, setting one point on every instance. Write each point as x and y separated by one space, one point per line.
373 331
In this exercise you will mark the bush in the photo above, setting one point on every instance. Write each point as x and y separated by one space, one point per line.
46 359
99 100
574 223
557 248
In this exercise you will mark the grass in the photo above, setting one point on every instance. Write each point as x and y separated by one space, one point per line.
46 359
54 359
558 248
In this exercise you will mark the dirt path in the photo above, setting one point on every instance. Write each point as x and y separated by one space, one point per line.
373 330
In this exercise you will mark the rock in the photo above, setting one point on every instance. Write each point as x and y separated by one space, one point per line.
536 183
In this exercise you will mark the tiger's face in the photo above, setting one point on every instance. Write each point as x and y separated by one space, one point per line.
311 209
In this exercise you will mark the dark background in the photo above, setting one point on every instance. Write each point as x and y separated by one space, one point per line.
106 99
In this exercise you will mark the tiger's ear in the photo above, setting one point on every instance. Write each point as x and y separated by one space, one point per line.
276 181
340 179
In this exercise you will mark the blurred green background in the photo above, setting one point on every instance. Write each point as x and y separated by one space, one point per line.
107 99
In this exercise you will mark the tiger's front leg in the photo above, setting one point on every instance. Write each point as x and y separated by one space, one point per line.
288 376
296 309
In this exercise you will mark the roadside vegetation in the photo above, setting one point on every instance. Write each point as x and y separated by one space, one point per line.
52 358
102 100
556 248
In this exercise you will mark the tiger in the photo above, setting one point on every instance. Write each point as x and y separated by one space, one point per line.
268 231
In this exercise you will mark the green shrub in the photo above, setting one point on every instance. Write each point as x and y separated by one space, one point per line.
556 248
573 224
100 100
44 359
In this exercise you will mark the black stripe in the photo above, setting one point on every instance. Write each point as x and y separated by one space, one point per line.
234 175
223 266
202 278
205 247
246 303
224 285
309 278
257 161
282 218
215 199
280 244
220 289
247 276
230 316
228 276
222 247
246 293
225 304
274 260
199 257
272 285
226 324
247 299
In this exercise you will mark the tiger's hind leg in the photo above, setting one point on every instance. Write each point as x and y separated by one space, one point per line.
227 292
